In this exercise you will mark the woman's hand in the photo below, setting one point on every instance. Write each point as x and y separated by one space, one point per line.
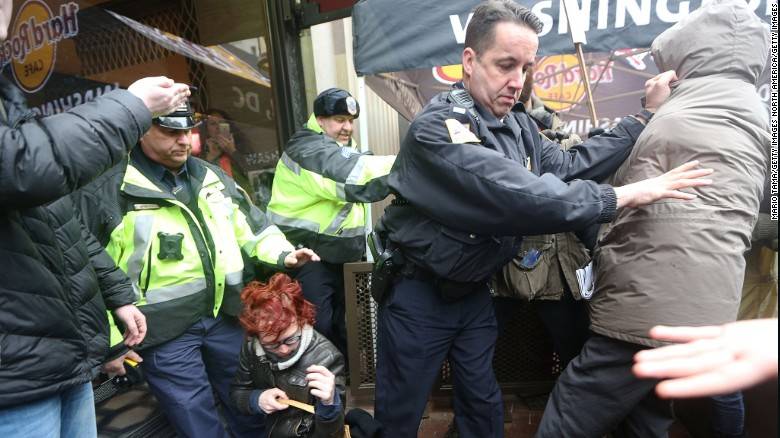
322 383
268 400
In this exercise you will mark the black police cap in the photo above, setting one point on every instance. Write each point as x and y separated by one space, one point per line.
183 117
335 102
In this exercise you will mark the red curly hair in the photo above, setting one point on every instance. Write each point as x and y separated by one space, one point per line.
269 309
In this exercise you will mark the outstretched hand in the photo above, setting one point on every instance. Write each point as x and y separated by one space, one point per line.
658 89
713 360
161 95
666 186
300 257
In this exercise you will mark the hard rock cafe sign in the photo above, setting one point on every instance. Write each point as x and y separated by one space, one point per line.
31 47
557 79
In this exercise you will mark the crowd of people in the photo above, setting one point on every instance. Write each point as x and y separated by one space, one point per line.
119 245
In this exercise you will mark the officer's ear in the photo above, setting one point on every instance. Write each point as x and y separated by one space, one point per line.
320 122
468 59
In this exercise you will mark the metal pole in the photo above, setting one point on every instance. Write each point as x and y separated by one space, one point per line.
363 135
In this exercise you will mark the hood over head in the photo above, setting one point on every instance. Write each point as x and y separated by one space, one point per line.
723 37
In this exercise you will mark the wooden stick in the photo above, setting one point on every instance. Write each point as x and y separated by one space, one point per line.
586 77
296 404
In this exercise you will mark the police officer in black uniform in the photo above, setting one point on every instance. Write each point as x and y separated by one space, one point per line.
473 175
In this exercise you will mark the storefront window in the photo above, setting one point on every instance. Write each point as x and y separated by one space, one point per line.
63 53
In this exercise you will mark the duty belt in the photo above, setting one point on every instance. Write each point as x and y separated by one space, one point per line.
449 290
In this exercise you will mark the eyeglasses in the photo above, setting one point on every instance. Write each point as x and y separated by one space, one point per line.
290 341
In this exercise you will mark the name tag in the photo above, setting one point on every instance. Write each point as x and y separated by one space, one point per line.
145 207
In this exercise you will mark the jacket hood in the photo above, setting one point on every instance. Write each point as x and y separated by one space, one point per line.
723 37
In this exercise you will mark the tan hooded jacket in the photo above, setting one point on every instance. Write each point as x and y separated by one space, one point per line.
677 262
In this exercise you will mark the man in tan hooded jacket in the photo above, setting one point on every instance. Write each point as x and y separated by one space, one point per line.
674 263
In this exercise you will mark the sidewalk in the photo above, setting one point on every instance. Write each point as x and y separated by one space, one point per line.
521 417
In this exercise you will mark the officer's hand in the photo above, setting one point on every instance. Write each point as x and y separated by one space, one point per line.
135 323
657 90
116 367
268 400
300 257
160 94
666 186
322 383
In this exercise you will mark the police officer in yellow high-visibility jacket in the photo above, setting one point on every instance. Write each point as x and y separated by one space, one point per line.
178 226
318 200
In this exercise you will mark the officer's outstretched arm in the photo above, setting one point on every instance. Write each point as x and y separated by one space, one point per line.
327 170
596 158
255 234
473 188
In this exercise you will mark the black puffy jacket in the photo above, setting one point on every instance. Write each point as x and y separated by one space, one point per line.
53 328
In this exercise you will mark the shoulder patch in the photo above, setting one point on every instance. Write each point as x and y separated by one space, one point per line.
460 133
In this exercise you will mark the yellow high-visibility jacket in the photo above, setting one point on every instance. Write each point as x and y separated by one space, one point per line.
184 263
319 193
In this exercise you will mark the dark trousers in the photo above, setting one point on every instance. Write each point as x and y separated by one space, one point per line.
417 331
567 322
597 393
185 372
728 415
323 285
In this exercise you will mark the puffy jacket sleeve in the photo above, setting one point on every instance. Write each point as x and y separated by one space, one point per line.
45 159
330 171
476 189
115 286
257 236
596 158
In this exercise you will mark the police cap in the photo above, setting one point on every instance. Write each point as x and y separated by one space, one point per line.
183 117
334 102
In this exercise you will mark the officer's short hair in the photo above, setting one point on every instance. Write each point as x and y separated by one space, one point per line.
481 29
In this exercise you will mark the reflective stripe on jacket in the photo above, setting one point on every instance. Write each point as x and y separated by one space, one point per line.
174 292
319 193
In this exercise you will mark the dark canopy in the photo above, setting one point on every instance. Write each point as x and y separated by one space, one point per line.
396 35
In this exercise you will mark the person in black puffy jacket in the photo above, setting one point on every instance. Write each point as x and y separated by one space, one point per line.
53 328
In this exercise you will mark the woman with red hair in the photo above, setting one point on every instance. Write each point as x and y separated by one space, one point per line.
284 358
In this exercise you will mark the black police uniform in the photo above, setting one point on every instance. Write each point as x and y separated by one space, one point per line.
460 211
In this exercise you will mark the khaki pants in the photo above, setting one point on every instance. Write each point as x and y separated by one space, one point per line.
759 293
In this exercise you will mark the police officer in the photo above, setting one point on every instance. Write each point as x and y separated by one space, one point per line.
319 199
472 175
178 226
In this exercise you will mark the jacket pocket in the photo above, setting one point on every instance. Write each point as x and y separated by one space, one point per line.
472 254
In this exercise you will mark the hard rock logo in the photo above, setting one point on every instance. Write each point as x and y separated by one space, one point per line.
31 49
